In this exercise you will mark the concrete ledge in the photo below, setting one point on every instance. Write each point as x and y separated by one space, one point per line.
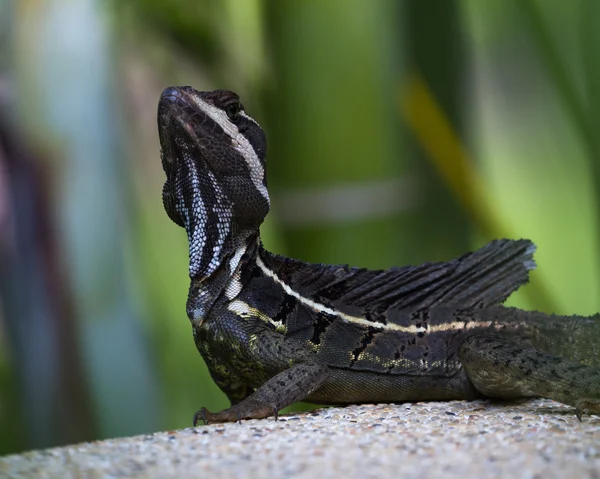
538 438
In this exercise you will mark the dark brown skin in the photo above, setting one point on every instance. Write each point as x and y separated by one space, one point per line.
274 330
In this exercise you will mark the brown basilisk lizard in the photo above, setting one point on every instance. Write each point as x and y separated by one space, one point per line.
275 330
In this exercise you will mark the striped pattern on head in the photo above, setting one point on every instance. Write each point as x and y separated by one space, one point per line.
213 154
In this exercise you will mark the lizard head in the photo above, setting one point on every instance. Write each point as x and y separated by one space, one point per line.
213 154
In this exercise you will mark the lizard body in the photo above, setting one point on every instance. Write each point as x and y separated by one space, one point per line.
275 330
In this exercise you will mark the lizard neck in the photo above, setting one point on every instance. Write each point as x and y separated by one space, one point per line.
213 154
226 281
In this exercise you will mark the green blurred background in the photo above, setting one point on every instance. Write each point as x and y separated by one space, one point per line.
399 132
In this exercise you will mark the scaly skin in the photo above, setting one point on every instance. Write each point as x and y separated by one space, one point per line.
274 330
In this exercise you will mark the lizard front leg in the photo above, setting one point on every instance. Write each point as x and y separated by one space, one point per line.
500 368
282 390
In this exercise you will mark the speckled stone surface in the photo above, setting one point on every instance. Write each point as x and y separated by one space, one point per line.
530 439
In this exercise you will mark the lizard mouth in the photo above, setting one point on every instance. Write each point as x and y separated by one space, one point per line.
187 129
175 113
180 135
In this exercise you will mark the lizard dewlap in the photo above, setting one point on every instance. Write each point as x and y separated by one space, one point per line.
275 330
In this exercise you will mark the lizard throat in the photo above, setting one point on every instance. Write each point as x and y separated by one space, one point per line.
225 280
207 218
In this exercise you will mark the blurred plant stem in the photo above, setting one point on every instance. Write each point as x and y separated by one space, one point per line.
66 97
52 401
456 168
436 51
563 80
590 39
331 126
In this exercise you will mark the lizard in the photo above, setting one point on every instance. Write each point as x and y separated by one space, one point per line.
275 330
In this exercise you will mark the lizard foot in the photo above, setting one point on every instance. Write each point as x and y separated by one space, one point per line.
589 405
283 389
247 409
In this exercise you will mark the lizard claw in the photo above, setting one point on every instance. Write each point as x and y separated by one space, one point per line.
201 414
586 405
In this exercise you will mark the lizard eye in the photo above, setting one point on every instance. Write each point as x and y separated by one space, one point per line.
233 110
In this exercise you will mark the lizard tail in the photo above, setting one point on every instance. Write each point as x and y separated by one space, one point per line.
573 337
